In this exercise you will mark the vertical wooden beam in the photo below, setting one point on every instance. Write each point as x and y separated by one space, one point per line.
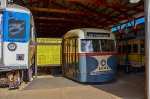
147 47
36 58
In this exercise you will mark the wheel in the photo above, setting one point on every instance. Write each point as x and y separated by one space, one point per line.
13 80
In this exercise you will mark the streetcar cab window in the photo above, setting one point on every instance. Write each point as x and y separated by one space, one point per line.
123 48
119 48
142 48
86 46
95 45
107 45
16 29
18 26
135 48
129 48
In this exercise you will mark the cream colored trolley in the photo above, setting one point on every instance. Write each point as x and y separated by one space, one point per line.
89 55
17 45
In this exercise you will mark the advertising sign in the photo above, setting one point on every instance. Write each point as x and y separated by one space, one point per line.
48 52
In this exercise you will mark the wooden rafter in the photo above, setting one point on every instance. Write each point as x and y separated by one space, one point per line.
60 11
62 19
103 3
113 20
30 2
52 15
56 24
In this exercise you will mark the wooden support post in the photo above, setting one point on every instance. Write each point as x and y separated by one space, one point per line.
147 53
36 56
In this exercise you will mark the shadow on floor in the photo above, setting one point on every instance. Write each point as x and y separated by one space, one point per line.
131 86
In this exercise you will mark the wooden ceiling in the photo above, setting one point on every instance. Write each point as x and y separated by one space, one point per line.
53 18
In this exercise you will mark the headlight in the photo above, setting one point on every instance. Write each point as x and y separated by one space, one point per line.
12 46
103 62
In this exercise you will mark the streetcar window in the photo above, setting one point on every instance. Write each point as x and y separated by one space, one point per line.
123 48
135 48
142 48
107 45
97 45
129 48
17 29
119 48
86 46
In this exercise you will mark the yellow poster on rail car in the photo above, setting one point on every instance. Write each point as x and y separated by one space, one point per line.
48 54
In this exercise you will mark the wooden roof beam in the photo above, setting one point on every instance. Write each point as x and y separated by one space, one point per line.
57 19
103 3
30 2
59 24
62 19
87 21
113 20
91 11
50 30
126 15
60 11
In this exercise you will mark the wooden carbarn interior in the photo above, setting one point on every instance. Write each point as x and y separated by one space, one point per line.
54 18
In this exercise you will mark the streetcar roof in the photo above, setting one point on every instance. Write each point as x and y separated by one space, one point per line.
81 32
17 8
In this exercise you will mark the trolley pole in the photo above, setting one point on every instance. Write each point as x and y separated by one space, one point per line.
147 43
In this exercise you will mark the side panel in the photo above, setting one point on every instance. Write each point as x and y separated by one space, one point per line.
10 58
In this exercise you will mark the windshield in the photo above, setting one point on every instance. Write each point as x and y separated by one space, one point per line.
17 29
95 45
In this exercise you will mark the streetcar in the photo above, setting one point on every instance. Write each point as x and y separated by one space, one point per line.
17 45
131 53
89 55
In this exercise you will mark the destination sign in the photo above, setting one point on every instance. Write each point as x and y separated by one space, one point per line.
94 34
